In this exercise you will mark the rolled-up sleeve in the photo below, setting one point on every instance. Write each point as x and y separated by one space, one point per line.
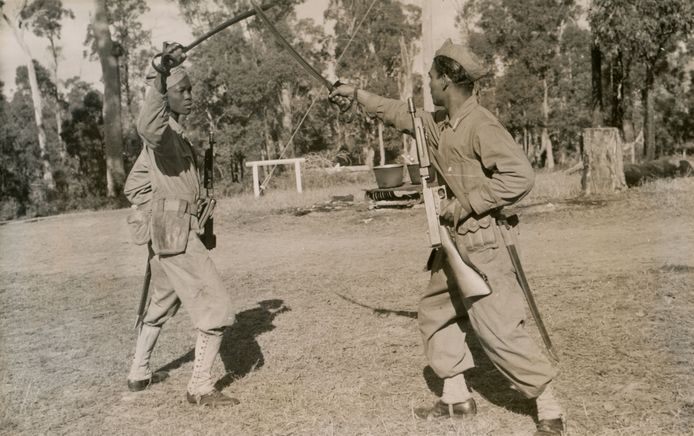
153 122
512 176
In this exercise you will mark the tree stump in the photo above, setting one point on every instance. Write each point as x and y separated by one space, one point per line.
603 168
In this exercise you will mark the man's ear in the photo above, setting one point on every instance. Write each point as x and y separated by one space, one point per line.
446 81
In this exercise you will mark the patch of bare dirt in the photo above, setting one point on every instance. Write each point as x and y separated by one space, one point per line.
326 339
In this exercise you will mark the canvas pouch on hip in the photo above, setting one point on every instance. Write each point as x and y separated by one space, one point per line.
478 234
138 224
170 226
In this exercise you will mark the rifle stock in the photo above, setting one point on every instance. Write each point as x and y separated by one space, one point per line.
469 281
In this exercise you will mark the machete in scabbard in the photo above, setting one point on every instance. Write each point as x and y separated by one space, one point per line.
505 225
300 59
144 295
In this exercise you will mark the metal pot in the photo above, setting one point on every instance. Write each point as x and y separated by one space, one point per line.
389 176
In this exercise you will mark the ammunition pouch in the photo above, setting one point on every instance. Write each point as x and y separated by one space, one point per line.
171 222
477 234
139 223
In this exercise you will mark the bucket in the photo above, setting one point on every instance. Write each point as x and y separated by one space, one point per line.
388 176
413 169
415 178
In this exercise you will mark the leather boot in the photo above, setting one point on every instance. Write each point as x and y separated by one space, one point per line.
442 410
551 427
212 399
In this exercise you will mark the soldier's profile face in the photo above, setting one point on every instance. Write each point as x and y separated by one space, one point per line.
180 97
436 86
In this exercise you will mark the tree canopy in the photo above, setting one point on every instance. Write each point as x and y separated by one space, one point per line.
260 103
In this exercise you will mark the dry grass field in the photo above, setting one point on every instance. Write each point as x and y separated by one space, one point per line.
326 339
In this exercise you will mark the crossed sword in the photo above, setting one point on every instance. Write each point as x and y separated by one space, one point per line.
505 226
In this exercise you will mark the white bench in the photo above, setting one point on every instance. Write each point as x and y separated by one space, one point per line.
263 163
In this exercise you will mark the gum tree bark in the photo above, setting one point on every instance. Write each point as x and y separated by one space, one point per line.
113 136
36 98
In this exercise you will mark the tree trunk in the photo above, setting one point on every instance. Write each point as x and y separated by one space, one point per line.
58 107
427 53
406 85
113 136
287 127
596 85
37 102
269 143
546 142
603 168
649 115
617 67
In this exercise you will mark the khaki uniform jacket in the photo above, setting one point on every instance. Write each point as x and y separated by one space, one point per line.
482 164
166 170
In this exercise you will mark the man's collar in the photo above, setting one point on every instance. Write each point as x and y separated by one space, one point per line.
461 112
174 125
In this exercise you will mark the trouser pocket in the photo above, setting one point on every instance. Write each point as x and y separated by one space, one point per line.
138 224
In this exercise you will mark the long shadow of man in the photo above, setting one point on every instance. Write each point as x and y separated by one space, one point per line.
240 351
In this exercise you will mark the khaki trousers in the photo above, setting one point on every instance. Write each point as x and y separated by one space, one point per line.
498 320
191 279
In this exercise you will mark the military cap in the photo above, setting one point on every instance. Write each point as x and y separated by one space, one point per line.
176 74
465 57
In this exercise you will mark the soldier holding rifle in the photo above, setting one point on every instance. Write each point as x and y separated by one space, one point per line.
483 170
165 191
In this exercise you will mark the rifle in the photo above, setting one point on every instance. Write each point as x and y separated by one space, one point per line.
205 221
470 282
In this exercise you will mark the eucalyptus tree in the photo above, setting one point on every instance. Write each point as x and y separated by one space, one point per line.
526 36
47 17
245 86
376 56
132 43
113 136
643 33
19 21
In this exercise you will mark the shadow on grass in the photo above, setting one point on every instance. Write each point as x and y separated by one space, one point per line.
484 379
381 311
240 351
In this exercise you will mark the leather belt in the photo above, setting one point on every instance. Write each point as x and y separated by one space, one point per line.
175 204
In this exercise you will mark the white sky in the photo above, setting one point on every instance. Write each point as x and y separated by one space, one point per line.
166 25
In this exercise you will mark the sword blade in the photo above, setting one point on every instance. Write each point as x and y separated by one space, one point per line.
233 20
278 36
